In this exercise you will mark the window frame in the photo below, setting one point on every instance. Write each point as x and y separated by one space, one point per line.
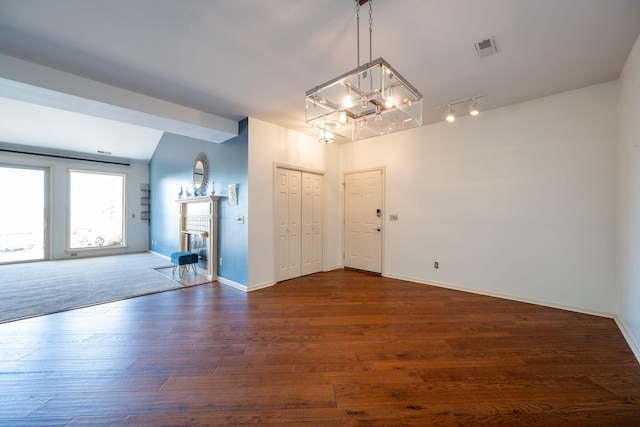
123 243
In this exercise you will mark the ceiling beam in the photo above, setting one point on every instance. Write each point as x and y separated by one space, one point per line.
33 83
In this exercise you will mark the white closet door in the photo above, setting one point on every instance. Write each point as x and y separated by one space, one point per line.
299 222
311 223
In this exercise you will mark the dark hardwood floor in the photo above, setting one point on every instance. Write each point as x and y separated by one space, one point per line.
337 348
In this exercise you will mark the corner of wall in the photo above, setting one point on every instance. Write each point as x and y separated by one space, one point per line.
628 201
634 344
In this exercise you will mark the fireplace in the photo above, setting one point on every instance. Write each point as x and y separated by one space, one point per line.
198 231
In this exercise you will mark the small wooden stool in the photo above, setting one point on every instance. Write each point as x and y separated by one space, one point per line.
184 259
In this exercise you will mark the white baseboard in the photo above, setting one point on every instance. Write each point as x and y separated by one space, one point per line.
159 254
231 283
244 288
631 340
543 303
260 286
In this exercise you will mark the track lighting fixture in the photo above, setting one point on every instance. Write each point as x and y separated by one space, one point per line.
451 114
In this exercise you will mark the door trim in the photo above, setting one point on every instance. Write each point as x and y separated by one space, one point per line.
277 165
383 169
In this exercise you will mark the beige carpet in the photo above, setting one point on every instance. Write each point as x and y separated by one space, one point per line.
33 289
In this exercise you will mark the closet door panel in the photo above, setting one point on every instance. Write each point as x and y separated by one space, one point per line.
294 228
287 214
312 242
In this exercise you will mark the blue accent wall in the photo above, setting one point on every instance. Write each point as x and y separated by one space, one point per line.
171 167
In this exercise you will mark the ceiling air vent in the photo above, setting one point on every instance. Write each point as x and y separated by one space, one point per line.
486 47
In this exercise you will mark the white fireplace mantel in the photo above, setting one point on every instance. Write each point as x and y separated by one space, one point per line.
200 215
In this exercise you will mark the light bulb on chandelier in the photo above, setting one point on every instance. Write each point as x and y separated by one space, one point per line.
388 103
348 102
327 135
378 114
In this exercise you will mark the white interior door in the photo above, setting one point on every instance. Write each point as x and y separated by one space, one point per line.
311 223
363 220
288 214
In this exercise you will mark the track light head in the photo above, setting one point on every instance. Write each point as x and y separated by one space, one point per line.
473 108
451 115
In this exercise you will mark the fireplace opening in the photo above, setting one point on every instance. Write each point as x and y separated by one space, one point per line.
197 243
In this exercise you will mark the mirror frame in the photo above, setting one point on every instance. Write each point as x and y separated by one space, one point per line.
202 159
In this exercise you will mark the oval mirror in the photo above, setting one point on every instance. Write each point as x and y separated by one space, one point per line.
200 173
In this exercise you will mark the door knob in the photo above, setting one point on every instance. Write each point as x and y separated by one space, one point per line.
376 229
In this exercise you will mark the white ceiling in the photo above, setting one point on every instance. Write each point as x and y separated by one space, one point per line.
255 58
38 125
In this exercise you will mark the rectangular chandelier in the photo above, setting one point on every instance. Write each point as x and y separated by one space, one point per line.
371 100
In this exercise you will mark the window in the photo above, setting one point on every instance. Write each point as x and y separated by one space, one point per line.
96 210
24 213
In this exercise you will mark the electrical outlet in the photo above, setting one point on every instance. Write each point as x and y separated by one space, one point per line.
220 261
436 265
393 217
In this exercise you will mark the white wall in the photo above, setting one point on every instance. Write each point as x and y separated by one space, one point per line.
137 229
518 202
629 199
269 145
